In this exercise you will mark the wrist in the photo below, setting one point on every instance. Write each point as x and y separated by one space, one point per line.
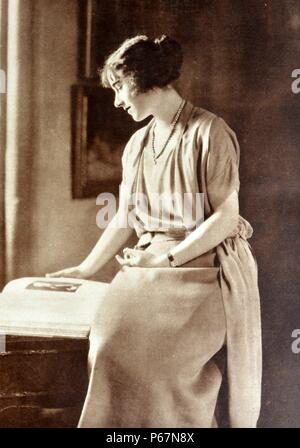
85 270
163 261
171 260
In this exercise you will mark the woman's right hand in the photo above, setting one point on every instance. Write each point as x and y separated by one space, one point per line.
73 272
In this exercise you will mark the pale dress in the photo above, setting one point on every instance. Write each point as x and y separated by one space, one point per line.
157 330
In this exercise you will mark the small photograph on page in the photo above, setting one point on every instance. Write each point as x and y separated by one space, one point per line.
54 286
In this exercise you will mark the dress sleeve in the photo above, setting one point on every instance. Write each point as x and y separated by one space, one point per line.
222 164
124 163
130 158
124 186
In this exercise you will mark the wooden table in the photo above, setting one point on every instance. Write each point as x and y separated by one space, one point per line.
43 363
43 381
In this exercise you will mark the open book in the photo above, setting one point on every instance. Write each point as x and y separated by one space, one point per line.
39 306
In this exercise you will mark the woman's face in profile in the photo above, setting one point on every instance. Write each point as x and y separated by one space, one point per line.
136 105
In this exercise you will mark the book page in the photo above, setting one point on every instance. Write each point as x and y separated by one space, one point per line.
35 305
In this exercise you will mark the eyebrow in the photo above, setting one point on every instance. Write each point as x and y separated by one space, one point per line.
115 82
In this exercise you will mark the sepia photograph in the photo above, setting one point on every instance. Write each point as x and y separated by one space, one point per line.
149 165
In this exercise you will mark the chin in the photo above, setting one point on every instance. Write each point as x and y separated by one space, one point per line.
139 117
136 117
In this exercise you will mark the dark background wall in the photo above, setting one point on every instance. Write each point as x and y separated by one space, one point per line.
239 57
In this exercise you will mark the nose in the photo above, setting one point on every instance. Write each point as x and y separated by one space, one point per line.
118 102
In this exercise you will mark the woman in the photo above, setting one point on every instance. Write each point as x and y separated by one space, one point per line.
190 284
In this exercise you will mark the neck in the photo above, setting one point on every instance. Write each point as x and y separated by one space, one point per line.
165 106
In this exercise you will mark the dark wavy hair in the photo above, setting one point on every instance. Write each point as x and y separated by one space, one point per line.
148 63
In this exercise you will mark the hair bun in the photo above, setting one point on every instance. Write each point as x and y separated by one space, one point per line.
167 45
171 56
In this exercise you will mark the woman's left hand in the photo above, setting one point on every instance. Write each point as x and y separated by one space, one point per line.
143 259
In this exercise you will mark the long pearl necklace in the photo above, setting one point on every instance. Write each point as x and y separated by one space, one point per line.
173 125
